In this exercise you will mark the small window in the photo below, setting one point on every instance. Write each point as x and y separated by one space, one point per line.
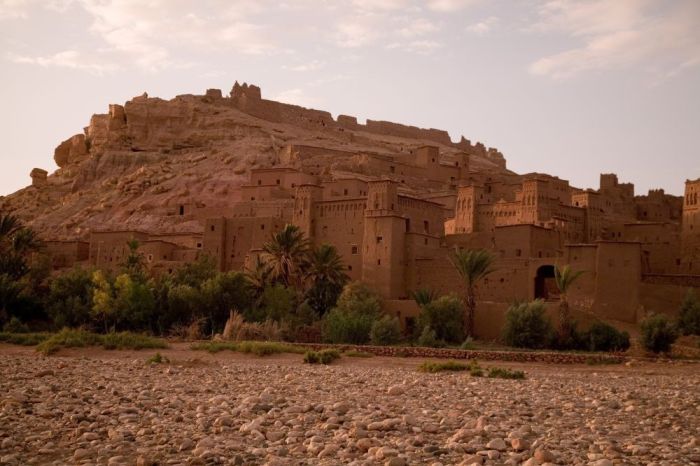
277 181
379 239
212 228
349 267
259 182
345 192
262 226
354 250
425 241
518 252
182 210
379 262
199 245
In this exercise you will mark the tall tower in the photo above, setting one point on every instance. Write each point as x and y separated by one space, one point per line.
466 215
304 207
383 257
690 230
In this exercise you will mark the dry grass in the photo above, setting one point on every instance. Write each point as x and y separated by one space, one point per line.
75 338
260 348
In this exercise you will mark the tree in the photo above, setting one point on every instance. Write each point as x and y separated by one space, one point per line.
326 275
258 278
689 315
527 326
445 317
287 255
134 263
473 265
424 296
102 299
70 298
352 319
223 293
564 278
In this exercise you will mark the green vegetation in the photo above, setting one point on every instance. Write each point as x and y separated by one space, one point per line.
565 277
259 348
325 356
473 266
352 319
358 354
385 331
658 333
157 359
23 339
445 317
473 367
689 315
527 326
501 373
71 338
428 338
604 337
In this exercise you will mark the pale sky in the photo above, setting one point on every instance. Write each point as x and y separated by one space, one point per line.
571 88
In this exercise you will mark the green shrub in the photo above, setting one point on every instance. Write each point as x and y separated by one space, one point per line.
429 339
605 337
69 301
358 354
259 348
14 325
352 319
500 373
443 366
325 356
385 331
689 315
658 333
446 317
527 326
467 344
311 357
157 359
24 339
72 338
475 369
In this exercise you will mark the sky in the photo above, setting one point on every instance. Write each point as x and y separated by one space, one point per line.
566 87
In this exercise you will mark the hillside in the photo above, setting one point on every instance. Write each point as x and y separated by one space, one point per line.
137 165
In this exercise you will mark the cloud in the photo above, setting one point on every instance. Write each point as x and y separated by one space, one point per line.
313 65
663 38
417 27
13 9
449 6
296 96
355 32
383 5
484 26
67 59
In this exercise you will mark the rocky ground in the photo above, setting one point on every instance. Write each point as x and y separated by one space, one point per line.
97 407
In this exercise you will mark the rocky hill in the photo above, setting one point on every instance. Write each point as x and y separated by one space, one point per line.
138 165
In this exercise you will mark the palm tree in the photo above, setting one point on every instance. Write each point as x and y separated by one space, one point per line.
326 277
287 256
17 242
424 296
564 277
472 265
258 277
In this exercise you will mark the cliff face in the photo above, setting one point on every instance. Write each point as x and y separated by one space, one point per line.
158 165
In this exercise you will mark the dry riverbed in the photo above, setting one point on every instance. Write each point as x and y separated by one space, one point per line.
92 406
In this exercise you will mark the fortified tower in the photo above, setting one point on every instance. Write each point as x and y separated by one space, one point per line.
304 206
466 215
690 231
383 261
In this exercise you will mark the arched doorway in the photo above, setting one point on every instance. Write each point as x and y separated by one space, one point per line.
545 285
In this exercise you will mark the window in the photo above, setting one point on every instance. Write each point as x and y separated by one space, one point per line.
199 245
379 262
518 252
426 226
349 267
379 239
182 210
262 226
354 250
277 181
212 228
259 182
392 169
345 192
425 241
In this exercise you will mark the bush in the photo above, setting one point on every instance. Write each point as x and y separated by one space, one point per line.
446 317
24 339
467 344
689 315
605 337
446 366
352 319
70 338
385 331
527 326
14 325
429 339
500 373
259 348
70 298
658 333
157 359
326 356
